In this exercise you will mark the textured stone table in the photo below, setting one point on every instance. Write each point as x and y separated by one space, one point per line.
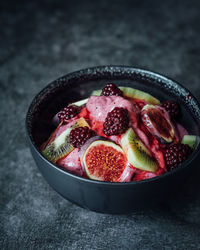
40 42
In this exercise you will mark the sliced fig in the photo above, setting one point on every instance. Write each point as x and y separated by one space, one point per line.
104 161
158 123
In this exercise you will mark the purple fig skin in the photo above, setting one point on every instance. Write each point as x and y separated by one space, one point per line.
173 123
127 174
178 137
55 120
155 130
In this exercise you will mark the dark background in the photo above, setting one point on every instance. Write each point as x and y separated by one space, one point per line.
41 41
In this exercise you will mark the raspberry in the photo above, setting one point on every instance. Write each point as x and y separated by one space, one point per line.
111 89
116 122
172 107
68 112
80 135
176 154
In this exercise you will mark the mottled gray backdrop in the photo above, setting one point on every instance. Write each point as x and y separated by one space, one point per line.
43 40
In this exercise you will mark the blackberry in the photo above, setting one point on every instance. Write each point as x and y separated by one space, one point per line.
116 122
111 89
80 135
172 107
176 154
68 112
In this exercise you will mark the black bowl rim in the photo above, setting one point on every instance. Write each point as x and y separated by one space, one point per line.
184 165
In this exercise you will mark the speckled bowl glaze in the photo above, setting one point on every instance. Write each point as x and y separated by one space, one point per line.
102 196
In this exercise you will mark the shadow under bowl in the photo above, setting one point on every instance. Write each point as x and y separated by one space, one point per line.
103 196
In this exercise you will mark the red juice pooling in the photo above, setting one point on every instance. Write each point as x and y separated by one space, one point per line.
118 134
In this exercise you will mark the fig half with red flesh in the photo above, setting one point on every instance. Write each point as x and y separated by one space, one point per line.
104 161
158 123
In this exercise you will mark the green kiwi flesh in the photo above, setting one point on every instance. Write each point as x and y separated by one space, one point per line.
191 140
61 146
137 153
138 94
133 93
96 92
80 103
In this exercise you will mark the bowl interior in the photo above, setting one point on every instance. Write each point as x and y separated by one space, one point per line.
80 84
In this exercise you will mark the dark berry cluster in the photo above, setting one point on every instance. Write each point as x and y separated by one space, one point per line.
176 154
116 122
172 108
68 112
111 89
80 135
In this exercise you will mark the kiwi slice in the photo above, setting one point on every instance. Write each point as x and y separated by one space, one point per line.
191 140
80 103
137 154
138 94
96 92
134 93
60 146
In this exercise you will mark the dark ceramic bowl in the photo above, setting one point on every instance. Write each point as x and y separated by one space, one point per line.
103 196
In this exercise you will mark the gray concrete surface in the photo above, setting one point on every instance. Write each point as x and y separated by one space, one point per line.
41 41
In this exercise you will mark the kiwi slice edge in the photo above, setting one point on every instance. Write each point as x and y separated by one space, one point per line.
137 154
61 146
191 140
133 93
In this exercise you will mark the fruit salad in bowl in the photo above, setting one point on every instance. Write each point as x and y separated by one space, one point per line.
119 134
114 139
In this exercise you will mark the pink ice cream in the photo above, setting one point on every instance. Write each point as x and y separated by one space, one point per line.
72 162
99 106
